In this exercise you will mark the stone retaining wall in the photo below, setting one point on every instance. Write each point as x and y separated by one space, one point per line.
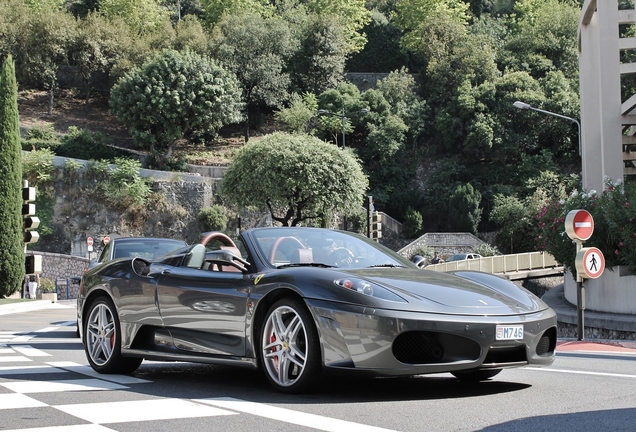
60 269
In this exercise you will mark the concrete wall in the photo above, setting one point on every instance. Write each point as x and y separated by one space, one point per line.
614 291
443 243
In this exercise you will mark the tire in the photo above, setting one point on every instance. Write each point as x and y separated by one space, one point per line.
102 340
290 349
476 375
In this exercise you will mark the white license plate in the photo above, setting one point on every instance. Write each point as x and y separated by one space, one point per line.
509 332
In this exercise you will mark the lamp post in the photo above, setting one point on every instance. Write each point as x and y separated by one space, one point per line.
580 297
343 118
526 106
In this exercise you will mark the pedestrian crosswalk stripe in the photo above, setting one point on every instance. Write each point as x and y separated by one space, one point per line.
26 370
143 410
87 370
26 387
8 359
13 401
29 351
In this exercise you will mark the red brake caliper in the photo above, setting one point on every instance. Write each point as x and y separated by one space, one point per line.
272 340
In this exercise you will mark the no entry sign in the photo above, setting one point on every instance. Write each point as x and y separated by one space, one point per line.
89 241
590 263
579 225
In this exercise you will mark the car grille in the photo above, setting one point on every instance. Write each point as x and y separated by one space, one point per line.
500 355
418 347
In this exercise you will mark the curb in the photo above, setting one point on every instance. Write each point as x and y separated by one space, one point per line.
27 306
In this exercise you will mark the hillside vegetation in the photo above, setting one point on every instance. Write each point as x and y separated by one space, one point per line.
448 150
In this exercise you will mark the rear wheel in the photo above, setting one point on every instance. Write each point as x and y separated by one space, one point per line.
102 336
476 375
290 350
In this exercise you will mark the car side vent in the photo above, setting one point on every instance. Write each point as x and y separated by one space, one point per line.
547 343
417 348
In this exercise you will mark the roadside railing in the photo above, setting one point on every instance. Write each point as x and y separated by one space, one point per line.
500 264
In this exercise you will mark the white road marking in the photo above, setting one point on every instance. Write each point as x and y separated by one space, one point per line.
144 410
74 428
29 351
24 370
289 416
14 359
26 387
13 401
604 374
87 370
47 329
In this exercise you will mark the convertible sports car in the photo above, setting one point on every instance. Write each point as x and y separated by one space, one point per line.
300 302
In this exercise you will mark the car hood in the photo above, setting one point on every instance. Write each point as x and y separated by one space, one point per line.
461 292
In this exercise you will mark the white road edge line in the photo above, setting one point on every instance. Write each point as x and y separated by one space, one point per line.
605 374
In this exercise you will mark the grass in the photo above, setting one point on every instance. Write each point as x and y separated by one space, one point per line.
4 301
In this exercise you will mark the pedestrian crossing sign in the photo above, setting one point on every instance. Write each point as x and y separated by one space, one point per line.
590 263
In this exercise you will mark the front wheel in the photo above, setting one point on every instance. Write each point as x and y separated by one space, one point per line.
476 375
102 340
290 350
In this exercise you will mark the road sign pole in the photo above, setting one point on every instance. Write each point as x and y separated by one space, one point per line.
580 299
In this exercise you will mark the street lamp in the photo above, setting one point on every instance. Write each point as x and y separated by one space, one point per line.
579 282
526 106
343 118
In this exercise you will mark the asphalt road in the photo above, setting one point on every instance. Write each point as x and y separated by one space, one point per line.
46 385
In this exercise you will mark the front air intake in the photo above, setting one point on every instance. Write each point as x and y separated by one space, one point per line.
419 347
547 343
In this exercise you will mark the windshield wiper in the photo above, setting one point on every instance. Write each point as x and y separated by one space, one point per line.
312 264
387 265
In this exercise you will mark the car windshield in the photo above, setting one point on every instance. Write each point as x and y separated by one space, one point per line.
284 247
148 249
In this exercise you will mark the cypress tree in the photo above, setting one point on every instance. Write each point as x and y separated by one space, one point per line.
11 237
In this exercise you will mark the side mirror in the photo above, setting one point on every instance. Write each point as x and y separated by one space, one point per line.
419 261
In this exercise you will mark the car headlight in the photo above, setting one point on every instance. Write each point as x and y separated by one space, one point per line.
368 288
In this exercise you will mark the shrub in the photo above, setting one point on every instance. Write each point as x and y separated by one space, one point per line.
614 213
213 218
83 144
412 223
486 250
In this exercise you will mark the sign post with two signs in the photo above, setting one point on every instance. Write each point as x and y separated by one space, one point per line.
589 262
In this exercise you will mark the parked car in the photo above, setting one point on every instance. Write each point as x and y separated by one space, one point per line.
143 247
300 302
461 257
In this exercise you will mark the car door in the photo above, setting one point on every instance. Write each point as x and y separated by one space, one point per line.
204 310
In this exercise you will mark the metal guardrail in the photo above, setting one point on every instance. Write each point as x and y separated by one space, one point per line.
501 264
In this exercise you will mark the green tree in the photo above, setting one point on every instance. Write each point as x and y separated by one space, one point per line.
319 63
297 118
175 95
95 48
213 11
412 223
11 241
256 50
142 16
213 218
353 14
382 52
464 208
298 178
45 48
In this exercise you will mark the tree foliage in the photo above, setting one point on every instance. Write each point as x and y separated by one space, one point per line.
464 208
142 16
298 178
11 242
256 50
174 95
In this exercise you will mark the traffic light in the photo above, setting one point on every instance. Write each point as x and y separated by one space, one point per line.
376 226
33 264
29 220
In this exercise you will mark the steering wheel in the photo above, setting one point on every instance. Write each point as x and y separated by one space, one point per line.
341 256
292 240
217 236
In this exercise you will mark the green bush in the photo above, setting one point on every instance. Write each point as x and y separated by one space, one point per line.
213 218
84 144
614 213
486 250
412 223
